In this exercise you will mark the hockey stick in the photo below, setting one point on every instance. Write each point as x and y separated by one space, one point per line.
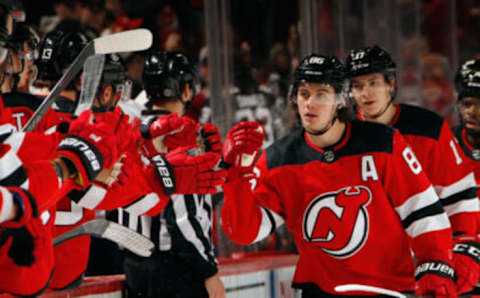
91 77
364 288
128 41
101 228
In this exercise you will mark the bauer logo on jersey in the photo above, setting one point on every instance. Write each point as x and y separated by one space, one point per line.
337 222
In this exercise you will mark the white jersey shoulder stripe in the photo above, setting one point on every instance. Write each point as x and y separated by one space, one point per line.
428 224
462 206
444 191
9 163
417 202
15 140
270 222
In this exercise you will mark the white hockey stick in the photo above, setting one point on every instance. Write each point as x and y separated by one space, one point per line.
101 228
127 41
364 288
91 77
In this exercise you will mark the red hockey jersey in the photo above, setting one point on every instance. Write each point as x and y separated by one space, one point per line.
23 106
444 164
472 154
355 209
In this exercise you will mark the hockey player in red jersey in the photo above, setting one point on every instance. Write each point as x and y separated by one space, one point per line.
26 253
353 195
71 257
373 86
467 83
57 51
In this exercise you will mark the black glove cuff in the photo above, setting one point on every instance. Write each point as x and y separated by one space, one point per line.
223 165
470 249
435 267
145 127
165 173
18 200
88 154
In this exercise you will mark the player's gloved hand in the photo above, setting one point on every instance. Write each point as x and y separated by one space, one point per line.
166 133
466 257
22 230
14 198
211 138
181 173
435 279
22 245
241 148
90 146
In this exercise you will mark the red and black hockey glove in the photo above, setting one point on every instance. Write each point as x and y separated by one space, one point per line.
21 229
466 257
166 133
89 146
241 148
436 279
22 201
181 173
211 138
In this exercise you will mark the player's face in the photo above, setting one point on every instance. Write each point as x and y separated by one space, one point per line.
372 93
469 108
316 105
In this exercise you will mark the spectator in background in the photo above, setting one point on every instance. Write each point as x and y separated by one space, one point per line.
438 92
116 8
68 9
94 15
200 110
279 78
293 42
173 42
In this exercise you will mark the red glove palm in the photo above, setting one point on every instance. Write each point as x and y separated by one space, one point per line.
466 256
435 279
243 143
166 133
185 174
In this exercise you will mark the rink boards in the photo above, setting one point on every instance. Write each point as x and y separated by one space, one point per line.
262 275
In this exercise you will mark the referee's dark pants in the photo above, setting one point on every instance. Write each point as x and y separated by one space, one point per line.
163 275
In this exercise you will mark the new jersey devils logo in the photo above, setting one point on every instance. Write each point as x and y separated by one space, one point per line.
337 222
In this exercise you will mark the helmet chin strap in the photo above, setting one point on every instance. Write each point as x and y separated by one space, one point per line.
325 129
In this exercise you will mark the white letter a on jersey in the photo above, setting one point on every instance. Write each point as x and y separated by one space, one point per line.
368 168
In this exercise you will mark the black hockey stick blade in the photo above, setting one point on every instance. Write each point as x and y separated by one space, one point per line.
101 228
127 41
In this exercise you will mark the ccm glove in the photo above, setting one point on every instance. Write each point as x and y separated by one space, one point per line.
241 148
242 144
166 133
466 257
181 173
434 278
